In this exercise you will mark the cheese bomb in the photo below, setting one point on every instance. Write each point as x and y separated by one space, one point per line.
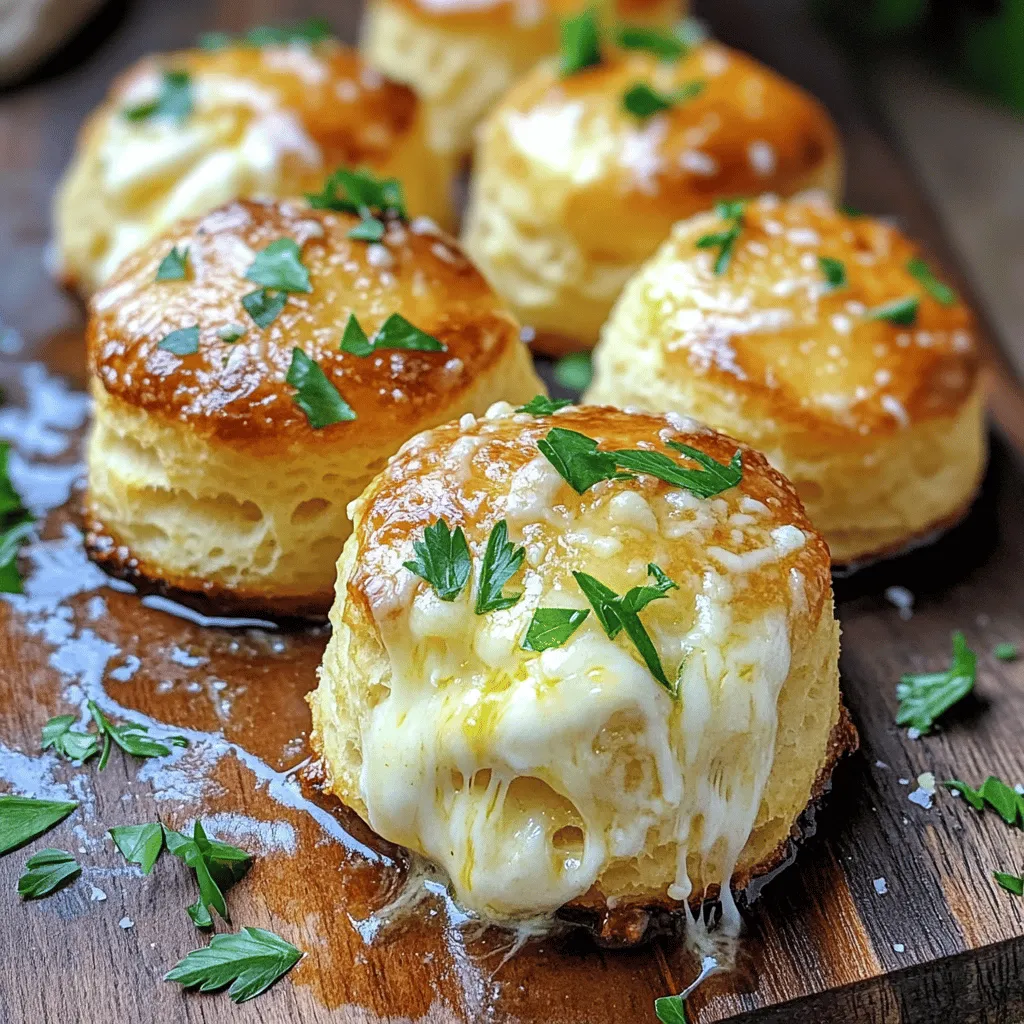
244 399
580 177
827 342
586 661
181 133
461 56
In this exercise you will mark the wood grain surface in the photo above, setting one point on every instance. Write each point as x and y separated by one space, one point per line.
822 945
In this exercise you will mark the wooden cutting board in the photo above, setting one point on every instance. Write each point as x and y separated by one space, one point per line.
822 944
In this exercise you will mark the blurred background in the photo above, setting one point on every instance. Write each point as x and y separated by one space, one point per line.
944 79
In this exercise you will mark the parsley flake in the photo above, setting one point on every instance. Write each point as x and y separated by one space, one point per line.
174 100
315 394
264 305
574 372
902 312
396 333
712 479
731 210
140 844
304 33
68 742
643 101
279 266
552 627
502 561
182 342
369 229
577 459
46 871
250 962
22 818
217 866
354 339
442 559
1003 799
924 697
16 524
130 737
541 405
580 43
939 291
174 266
361 192
670 1010
1011 883
834 271
1005 652
663 44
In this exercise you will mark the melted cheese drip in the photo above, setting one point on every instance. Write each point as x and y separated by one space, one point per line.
527 776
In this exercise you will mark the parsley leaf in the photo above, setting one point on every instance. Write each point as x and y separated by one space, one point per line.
1011 883
442 559
663 44
902 312
264 305
47 871
354 339
924 697
939 291
302 33
643 101
834 271
574 372
174 266
725 241
23 818
670 1010
69 743
501 562
577 459
130 737
217 866
280 266
315 394
580 43
16 524
369 229
623 613
250 961
541 405
140 844
705 483
174 101
1005 652
363 193
1003 799
396 332
182 342
552 627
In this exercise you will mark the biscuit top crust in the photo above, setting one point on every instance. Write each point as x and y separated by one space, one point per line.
808 355
748 131
475 472
483 15
351 113
237 391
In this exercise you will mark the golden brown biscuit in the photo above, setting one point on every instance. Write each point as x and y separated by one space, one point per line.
644 756
573 191
210 469
461 56
864 392
251 122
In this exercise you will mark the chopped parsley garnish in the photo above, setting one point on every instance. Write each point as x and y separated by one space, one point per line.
834 271
303 33
396 332
354 340
731 210
250 962
369 229
217 866
1011 883
580 43
552 627
712 479
670 1010
46 871
1003 799
361 192
68 742
130 737
577 459
182 342
140 844
541 405
902 312
442 559
22 818
264 305
174 266
617 613
939 291
279 266
643 101
924 697
1005 652
501 562
314 394
174 101
575 371
16 524
662 43
230 333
